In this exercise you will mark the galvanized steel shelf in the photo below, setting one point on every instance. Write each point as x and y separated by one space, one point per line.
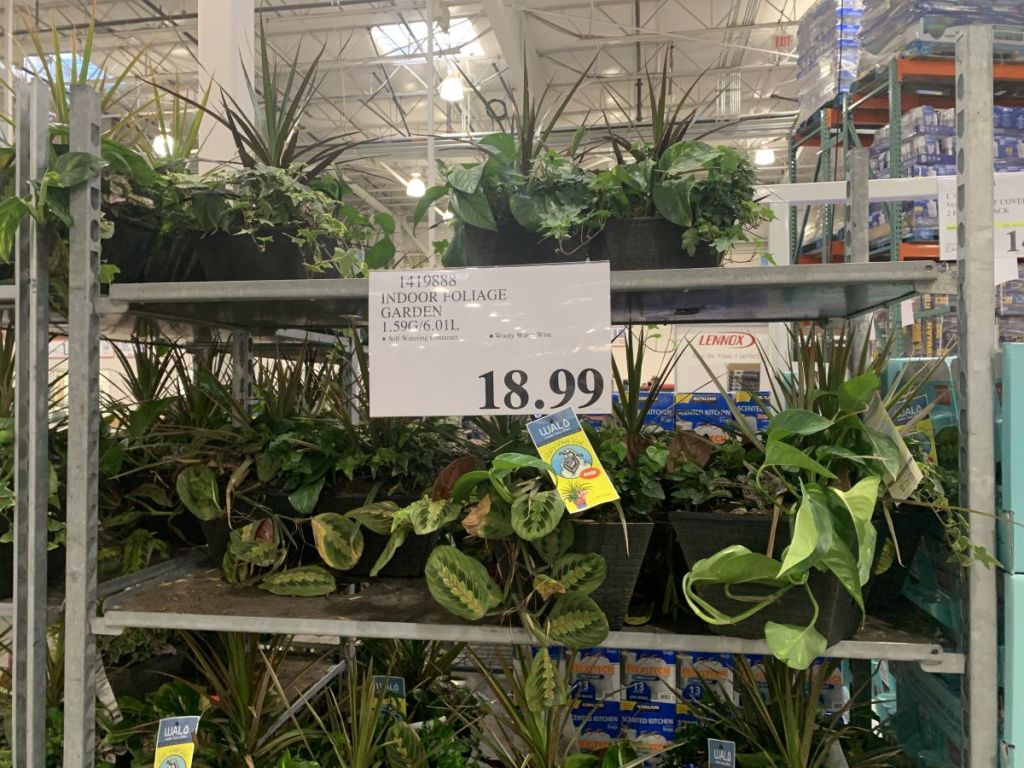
748 294
402 608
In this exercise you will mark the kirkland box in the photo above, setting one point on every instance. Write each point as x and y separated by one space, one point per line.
596 675
649 676
649 726
698 673
708 413
599 725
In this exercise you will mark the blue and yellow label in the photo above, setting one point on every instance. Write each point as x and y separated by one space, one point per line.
577 472
176 742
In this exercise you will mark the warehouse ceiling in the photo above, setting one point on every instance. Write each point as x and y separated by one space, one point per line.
738 56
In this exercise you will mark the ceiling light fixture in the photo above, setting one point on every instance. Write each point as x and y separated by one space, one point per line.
764 157
451 88
415 186
163 145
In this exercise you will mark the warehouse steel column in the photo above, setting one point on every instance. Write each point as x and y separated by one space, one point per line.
976 254
226 46
83 444
31 421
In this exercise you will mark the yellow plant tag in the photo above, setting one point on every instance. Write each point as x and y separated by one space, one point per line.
579 477
905 482
176 742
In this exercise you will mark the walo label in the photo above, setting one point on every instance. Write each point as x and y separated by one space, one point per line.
579 477
493 341
176 742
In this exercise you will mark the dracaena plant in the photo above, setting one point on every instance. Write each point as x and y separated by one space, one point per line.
519 563
830 464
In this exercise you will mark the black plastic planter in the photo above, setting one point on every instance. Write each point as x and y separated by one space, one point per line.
702 534
239 257
510 246
607 539
910 525
129 250
649 243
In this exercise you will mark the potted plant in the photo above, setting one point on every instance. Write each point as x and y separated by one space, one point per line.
671 202
816 497
523 203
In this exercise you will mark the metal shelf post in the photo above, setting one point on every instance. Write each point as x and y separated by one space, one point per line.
975 246
83 444
31 430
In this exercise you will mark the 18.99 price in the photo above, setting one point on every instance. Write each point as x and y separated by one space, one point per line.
514 389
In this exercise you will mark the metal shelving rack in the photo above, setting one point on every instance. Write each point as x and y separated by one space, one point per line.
187 596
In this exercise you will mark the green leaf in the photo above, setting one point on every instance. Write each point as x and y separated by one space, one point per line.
544 687
736 564
267 467
839 560
385 222
380 254
805 536
108 272
796 421
12 211
780 454
403 747
489 519
580 572
686 157
511 461
691 241
466 179
473 210
860 502
245 545
304 499
428 516
305 581
672 199
535 515
339 540
576 621
129 163
377 516
431 196
556 543
528 210
503 142
798 647
74 168
460 584
396 540
197 489
855 394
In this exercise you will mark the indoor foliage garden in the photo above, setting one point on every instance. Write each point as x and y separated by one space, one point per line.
784 532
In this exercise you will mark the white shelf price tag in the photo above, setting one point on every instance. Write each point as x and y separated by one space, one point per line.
1008 205
490 341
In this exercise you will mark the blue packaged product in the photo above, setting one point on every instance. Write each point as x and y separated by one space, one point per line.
649 676
599 725
650 726
708 414
596 675
661 415
699 672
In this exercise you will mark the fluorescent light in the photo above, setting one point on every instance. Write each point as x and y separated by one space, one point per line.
451 88
415 186
764 157
163 145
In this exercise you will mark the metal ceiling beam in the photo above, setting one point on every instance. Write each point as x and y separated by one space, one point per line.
509 26
590 43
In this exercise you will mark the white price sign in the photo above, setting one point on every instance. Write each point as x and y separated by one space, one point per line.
493 341
1008 205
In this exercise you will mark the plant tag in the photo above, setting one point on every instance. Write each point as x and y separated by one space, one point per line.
494 341
176 742
909 476
390 691
721 754
579 477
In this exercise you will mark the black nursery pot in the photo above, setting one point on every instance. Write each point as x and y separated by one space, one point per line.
55 565
510 246
702 534
238 257
649 243
607 539
910 525
129 249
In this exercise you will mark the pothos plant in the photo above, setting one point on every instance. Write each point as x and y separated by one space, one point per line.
521 565
831 465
